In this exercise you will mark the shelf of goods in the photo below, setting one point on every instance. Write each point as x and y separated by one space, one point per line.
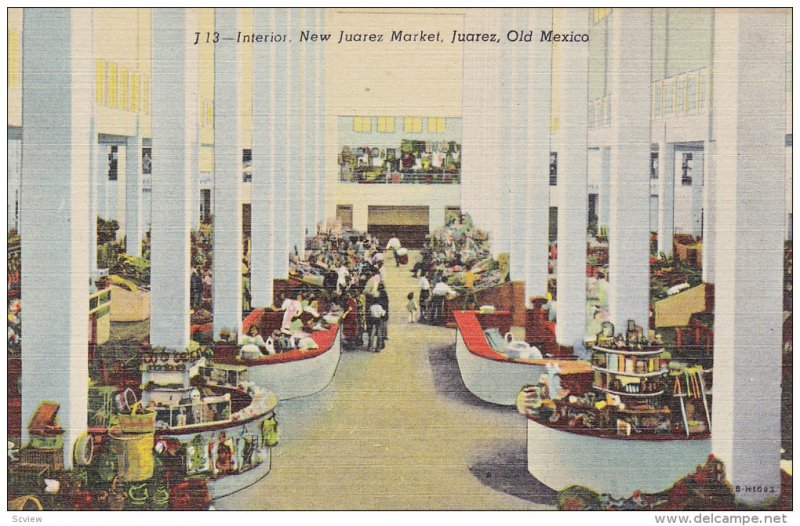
291 374
495 377
643 425
223 424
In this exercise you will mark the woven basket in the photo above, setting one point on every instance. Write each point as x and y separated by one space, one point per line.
138 421
134 453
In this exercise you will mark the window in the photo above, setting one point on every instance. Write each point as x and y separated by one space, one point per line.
146 94
134 99
147 161
691 92
362 124
686 170
247 165
123 88
553 168
701 89
386 124
653 165
669 97
600 13
412 124
680 95
112 85
100 81
113 159
436 124
656 100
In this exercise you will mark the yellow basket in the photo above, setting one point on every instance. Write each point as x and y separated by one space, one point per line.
25 503
134 454
138 421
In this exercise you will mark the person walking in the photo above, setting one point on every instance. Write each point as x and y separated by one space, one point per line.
383 301
375 322
424 294
412 308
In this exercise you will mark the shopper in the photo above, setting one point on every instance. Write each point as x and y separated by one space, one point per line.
196 288
424 294
440 292
375 322
393 244
383 301
412 308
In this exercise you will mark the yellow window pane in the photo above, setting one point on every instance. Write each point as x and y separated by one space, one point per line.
412 124
100 82
435 124
134 102
112 85
14 58
386 124
123 88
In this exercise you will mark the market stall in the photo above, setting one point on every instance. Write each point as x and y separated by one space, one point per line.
496 372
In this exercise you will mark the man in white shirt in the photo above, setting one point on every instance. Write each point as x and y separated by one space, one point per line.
393 244
343 277
375 321
440 291
424 295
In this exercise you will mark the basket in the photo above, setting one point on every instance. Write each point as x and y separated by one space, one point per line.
138 421
27 478
52 458
25 503
134 454
47 441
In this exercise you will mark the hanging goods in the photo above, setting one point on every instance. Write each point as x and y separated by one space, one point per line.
138 421
134 453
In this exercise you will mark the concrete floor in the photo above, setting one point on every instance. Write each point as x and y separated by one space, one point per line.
397 431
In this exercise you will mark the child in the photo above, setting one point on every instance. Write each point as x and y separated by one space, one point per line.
412 308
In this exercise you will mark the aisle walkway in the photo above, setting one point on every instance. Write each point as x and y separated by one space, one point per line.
397 430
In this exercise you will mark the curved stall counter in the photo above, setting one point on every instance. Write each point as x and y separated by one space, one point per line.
292 374
560 456
496 378
235 453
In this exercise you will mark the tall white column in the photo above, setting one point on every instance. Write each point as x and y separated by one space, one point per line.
749 91
603 195
472 123
227 284
709 212
321 216
102 180
666 197
573 191
121 193
92 197
537 188
263 183
698 160
194 155
293 135
57 59
174 114
309 143
133 195
279 55
629 207
516 147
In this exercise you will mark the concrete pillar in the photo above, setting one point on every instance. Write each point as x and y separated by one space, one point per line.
603 195
629 206
709 212
91 197
321 212
749 91
262 186
227 291
516 148
194 156
133 195
573 191
121 193
279 59
102 180
537 187
698 160
54 215
309 143
472 121
174 114
666 197
293 169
